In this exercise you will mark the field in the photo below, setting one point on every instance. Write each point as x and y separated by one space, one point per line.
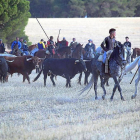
34 112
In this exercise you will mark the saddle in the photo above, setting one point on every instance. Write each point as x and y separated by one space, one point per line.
104 58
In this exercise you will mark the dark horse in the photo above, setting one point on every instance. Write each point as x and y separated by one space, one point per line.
78 51
116 63
16 50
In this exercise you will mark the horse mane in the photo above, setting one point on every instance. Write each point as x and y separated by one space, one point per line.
115 53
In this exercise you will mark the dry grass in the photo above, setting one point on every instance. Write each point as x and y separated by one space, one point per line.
35 112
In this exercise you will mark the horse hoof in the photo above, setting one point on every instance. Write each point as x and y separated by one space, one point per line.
107 85
111 99
103 97
122 99
133 97
96 98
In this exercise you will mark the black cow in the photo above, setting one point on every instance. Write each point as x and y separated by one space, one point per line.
3 69
66 68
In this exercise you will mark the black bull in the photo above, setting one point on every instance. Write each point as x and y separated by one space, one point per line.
66 68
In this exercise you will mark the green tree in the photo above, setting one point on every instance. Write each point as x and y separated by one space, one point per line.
14 16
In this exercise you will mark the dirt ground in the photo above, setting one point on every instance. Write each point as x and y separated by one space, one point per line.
34 112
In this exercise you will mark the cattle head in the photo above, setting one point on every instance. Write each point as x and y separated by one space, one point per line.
36 60
82 64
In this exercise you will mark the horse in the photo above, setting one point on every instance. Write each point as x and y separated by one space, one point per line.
16 51
116 62
30 48
127 69
136 53
64 52
78 51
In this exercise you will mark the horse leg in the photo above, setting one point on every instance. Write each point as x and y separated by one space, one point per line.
86 77
103 81
45 77
95 76
117 85
51 77
107 83
136 86
79 79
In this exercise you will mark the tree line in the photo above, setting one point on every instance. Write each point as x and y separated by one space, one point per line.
82 8
14 16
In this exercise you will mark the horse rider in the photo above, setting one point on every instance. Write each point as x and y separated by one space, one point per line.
63 43
25 48
127 43
45 44
90 49
16 42
108 45
127 46
41 45
73 45
51 45
2 47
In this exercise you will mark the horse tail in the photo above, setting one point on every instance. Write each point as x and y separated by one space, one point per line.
89 86
38 75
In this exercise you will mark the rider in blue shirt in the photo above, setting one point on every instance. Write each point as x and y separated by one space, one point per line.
16 42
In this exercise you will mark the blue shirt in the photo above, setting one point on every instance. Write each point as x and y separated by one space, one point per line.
14 43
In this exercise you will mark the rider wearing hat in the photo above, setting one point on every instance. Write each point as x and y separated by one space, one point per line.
90 49
63 43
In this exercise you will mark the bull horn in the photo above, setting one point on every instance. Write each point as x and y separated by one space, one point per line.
28 59
77 61
86 60
10 61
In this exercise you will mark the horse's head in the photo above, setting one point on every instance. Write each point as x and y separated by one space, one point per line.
118 54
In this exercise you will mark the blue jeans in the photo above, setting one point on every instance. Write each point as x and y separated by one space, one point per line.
26 52
104 57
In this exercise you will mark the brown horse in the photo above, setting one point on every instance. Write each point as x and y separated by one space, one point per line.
79 50
136 53
64 52
30 48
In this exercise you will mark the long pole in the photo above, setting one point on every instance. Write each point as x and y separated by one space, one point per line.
134 75
42 28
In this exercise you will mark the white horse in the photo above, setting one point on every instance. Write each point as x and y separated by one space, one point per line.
130 67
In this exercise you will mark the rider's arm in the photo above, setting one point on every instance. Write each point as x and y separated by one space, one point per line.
12 45
130 44
103 45
19 45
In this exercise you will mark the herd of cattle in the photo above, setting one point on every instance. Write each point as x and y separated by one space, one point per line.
67 67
